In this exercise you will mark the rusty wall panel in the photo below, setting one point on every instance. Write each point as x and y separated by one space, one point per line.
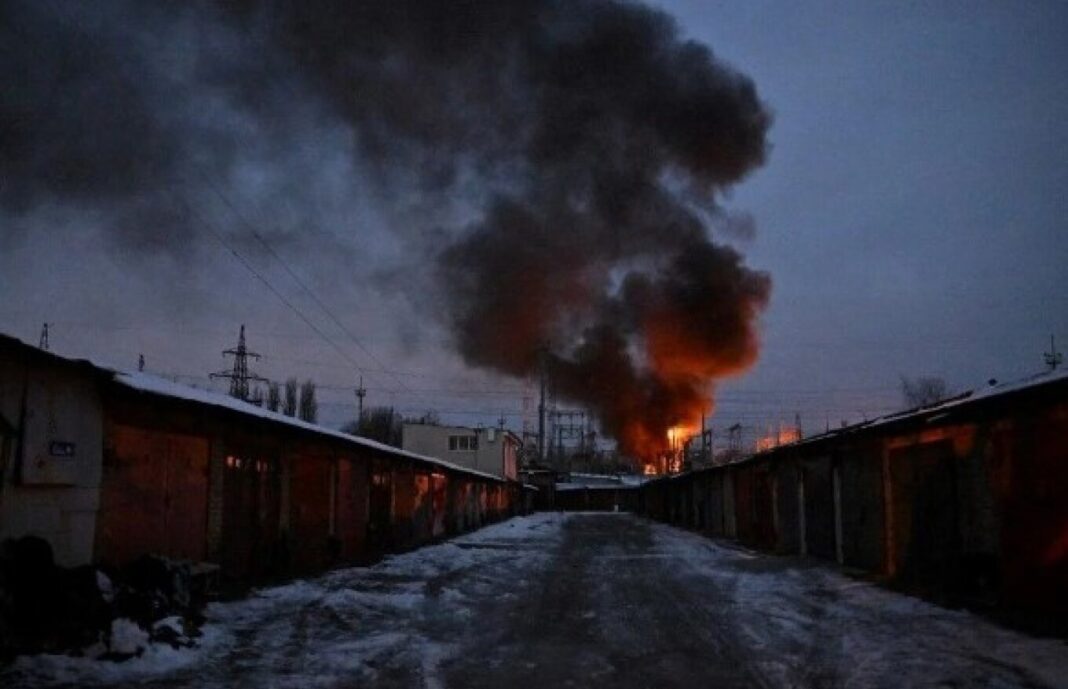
352 507
715 503
1035 532
422 509
754 507
926 541
862 503
249 541
743 504
474 503
154 496
788 506
380 507
459 498
699 488
764 534
819 507
310 512
403 504
439 503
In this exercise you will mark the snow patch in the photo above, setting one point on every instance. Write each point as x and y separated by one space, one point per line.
127 638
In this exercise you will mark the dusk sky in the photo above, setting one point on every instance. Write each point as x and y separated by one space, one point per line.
911 214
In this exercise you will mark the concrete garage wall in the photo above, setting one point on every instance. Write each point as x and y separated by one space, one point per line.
50 470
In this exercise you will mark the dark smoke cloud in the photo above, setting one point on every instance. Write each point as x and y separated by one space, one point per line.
587 141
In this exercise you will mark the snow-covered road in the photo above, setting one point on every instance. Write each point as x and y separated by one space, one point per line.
580 600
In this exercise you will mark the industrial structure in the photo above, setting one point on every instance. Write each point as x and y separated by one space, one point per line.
492 450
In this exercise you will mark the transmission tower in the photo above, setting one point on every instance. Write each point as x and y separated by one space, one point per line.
568 430
44 338
239 376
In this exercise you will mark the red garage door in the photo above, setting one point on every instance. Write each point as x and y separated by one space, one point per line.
153 496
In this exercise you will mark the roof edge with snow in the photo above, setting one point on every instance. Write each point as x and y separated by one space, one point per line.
161 387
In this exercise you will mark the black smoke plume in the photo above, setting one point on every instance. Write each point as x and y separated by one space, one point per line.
587 142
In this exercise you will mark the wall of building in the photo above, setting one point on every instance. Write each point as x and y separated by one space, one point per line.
966 507
496 451
51 463
598 499
107 472
275 500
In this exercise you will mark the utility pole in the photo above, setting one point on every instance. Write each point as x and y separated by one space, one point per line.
704 439
43 344
361 392
1053 357
240 376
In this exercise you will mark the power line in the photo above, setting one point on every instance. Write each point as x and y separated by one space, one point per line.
255 273
296 278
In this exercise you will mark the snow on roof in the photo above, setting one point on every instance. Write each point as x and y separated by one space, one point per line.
154 385
968 397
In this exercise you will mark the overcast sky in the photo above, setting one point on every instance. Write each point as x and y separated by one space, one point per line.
911 214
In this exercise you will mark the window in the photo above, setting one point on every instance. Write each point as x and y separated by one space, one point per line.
259 466
463 443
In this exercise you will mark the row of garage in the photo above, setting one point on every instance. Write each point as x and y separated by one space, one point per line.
109 466
965 501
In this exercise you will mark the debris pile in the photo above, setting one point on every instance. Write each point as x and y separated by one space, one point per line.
113 614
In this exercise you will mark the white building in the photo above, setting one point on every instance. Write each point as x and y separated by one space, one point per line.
492 450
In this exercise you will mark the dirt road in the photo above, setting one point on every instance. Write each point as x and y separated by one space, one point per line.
580 600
